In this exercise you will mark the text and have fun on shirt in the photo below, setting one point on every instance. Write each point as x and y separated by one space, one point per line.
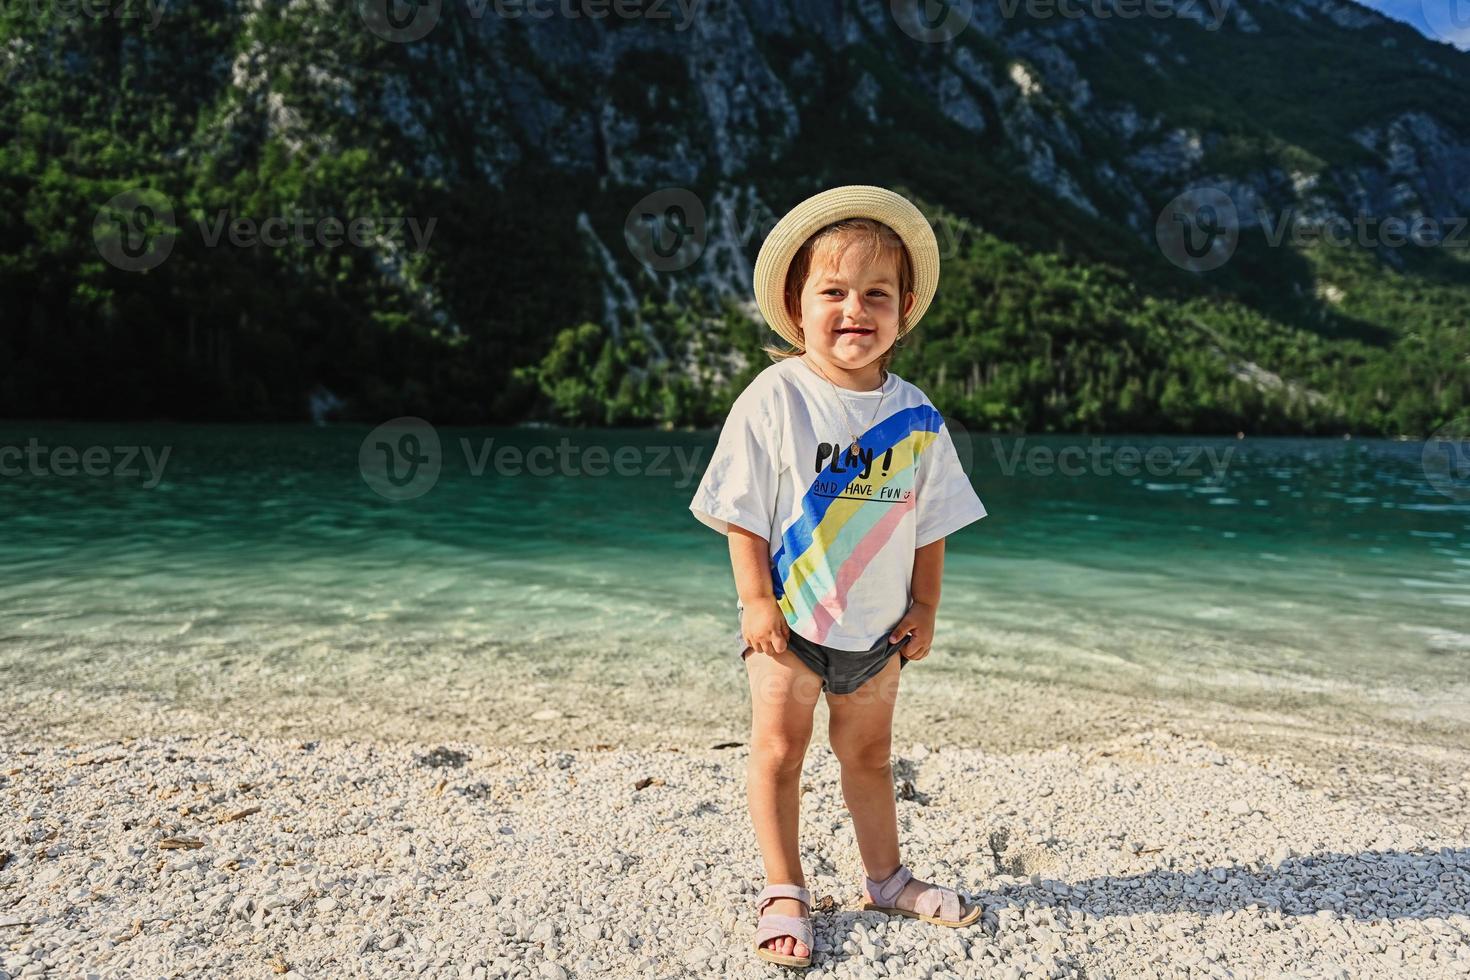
842 526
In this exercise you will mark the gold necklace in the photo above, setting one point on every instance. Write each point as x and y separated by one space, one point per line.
854 449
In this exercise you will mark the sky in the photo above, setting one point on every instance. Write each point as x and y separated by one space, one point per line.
1441 20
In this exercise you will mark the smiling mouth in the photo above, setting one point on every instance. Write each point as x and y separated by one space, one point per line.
858 331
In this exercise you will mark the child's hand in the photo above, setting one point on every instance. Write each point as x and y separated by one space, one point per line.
764 626
919 623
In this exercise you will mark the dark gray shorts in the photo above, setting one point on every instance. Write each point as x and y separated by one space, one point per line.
841 671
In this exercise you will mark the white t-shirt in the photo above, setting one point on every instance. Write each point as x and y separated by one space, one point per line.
842 528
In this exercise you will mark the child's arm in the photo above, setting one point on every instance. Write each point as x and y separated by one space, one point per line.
919 620
763 623
928 570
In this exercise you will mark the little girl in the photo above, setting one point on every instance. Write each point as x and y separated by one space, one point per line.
836 483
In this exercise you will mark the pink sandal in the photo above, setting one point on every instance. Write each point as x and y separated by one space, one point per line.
798 927
941 906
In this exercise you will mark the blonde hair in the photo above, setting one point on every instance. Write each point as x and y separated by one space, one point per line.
877 241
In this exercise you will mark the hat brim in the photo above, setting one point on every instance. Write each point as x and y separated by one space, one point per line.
821 210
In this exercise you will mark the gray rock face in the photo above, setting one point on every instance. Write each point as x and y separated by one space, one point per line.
1426 168
710 96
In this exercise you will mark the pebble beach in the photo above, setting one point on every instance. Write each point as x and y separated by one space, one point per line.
598 835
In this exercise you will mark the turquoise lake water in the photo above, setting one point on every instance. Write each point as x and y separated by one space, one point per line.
1242 570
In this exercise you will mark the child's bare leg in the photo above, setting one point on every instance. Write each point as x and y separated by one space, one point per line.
783 694
861 733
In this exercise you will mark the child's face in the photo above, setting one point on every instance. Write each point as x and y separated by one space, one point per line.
849 313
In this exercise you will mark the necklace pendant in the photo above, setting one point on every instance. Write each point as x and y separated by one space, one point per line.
854 450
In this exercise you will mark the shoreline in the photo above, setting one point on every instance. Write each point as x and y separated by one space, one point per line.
1105 835
500 694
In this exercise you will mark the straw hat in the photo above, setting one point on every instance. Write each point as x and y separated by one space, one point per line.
818 211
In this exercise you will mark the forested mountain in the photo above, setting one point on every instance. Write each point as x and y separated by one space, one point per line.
462 210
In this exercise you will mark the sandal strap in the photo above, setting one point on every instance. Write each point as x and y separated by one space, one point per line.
771 892
938 901
796 926
886 892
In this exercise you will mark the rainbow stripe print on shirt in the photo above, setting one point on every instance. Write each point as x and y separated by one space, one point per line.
849 513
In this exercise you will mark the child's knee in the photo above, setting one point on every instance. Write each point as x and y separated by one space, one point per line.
862 750
780 750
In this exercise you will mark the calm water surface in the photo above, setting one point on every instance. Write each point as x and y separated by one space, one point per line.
1240 569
